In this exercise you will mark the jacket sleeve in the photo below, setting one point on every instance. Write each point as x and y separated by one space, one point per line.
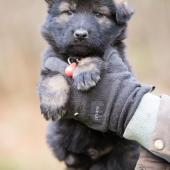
150 125
148 161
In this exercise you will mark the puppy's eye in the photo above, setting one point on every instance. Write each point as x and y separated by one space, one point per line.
98 14
69 12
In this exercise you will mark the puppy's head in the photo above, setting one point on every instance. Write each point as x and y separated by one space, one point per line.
85 27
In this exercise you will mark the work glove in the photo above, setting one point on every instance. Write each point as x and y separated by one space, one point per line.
111 104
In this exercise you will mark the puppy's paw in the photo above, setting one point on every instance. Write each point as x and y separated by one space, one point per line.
70 160
54 92
87 73
93 153
51 112
86 80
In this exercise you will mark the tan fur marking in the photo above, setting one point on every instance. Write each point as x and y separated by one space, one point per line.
63 18
64 6
104 21
96 154
87 60
104 10
85 65
73 5
57 83
58 89
86 68
106 151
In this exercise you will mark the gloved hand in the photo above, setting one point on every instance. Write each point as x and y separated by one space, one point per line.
112 102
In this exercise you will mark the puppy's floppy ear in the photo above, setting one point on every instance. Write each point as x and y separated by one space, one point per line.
123 12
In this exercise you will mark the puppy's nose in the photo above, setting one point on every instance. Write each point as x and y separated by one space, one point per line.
80 34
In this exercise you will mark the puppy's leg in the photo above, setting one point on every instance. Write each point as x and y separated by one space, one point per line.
55 138
96 153
53 92
53 88
87 74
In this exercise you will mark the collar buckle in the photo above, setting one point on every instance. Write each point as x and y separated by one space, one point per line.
71 60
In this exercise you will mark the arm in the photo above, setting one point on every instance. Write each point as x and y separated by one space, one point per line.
150 125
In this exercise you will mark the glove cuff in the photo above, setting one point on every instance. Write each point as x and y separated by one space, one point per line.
129 107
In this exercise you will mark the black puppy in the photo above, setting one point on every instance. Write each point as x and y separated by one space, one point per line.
82 30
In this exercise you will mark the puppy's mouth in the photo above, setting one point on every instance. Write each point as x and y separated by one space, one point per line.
83 49
79 49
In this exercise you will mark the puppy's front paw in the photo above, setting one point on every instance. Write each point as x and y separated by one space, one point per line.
93 153
52 112
86 80
54 93
87 73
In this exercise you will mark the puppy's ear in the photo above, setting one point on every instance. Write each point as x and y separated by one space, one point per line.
123 12
49 2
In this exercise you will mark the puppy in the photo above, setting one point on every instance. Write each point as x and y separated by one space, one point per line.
81 30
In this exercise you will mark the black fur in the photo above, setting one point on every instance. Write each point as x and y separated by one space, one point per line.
100 23
77 141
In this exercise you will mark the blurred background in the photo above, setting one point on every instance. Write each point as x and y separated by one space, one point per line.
22 128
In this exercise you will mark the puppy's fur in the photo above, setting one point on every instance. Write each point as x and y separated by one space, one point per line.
83 29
